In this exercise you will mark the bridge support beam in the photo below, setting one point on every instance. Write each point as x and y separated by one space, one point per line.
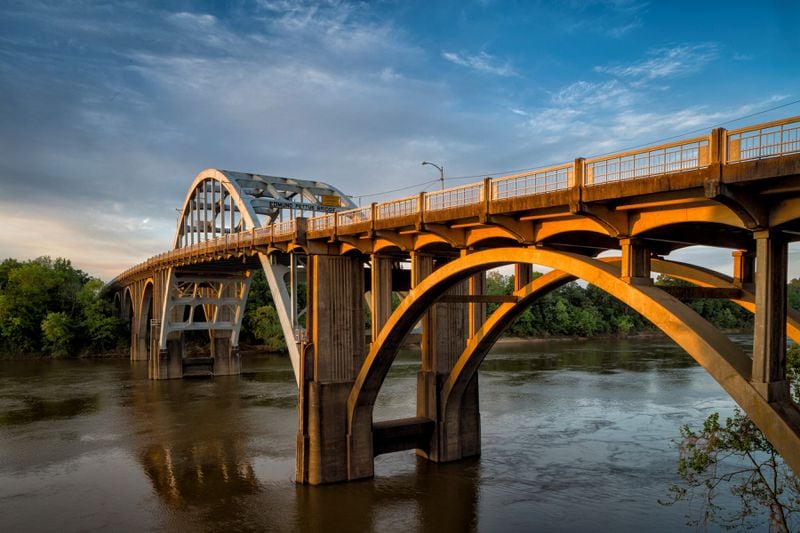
166 363
380 292
227 361
744 269
141 295
635 262
769 336
336 316
445 331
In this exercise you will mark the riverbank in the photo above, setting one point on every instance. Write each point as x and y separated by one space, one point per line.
248 350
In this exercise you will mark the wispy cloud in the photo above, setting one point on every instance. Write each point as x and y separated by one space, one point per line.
669 62
482 62
608 18
608 94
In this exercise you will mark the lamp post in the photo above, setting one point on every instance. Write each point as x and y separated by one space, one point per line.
441 171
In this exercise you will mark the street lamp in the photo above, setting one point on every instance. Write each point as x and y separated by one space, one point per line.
441 171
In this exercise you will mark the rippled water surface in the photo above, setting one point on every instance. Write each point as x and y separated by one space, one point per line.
576 436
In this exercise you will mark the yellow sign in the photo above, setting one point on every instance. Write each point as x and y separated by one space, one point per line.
331 201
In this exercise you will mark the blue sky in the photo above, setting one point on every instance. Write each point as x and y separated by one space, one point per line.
107 112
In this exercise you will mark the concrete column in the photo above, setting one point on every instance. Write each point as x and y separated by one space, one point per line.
477 311
381 292
168 363
140 322
635 265
744 268
522 275
769 336
227 361
445 333
336 328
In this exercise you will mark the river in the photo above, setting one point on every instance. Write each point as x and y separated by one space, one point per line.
576 436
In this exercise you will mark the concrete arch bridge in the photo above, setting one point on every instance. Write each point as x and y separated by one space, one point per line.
737 189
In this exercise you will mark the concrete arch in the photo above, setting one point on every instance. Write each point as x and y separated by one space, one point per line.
552 228
657 219
710 278
785 212
725 361
493 235
479 345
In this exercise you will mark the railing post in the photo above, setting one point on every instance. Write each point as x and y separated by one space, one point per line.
576 187
578 173
421 208
487 197
716 147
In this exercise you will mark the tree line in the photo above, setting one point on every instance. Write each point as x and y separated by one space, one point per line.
49 307
575 310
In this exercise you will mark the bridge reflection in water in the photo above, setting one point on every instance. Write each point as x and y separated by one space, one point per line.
196 446
736 189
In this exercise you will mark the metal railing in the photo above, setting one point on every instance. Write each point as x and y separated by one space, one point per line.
353 216
536 182
283 228
397 208
321 223
773 139
665 159
454 197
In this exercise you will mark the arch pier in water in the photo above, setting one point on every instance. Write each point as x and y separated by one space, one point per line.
737 189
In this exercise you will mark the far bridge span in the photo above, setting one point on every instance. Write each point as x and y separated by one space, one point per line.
736 189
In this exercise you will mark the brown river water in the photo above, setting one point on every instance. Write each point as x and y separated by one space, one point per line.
576 436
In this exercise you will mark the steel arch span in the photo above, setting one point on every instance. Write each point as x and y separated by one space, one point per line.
220 203
722 359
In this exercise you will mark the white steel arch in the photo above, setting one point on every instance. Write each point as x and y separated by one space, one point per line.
219 202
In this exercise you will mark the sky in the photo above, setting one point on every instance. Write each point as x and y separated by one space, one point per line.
109 110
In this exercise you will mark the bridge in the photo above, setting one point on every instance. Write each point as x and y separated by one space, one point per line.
735 189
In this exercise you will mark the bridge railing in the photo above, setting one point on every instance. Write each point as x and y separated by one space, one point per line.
761 141
284 228
397 208
772 139
355 216
652 161
454 197
537 182
321 223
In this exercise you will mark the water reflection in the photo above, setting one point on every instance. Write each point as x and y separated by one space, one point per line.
430 497
575 437
35 409
192 440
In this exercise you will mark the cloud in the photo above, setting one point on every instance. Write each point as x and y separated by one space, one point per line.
607 18
609 94
676 61
481 62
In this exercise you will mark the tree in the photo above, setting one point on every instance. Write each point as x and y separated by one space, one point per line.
265 326
736 454
58 334
48 305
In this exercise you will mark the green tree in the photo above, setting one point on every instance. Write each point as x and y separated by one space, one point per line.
48 305
736 454
265 326
100 328
57 329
